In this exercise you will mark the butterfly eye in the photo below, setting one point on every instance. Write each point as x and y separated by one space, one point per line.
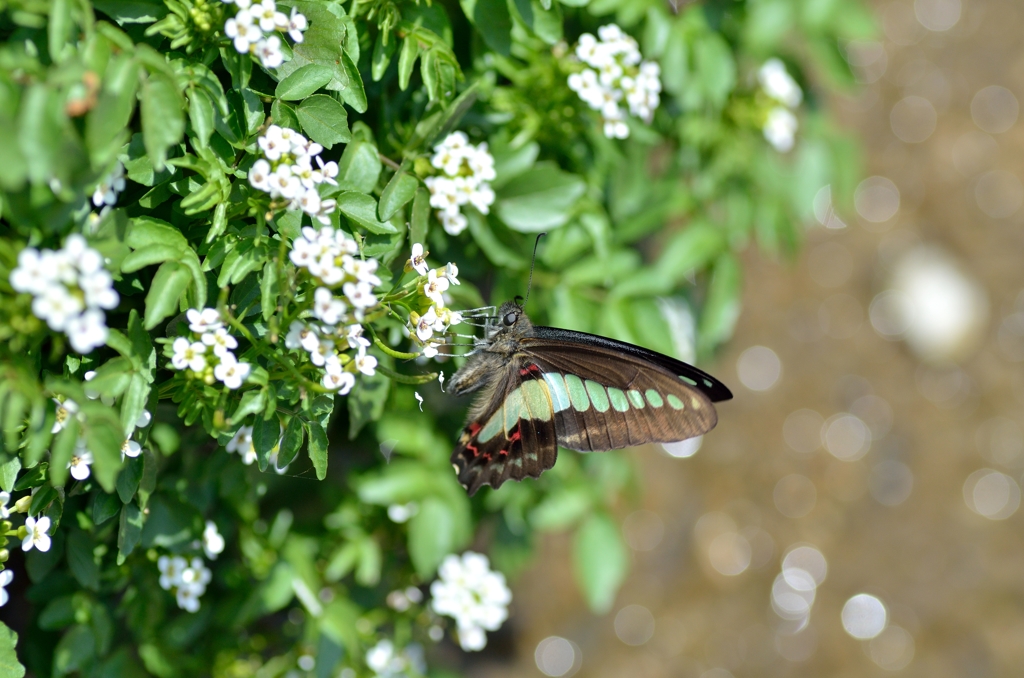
510 319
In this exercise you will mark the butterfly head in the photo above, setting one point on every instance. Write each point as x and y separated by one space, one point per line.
511 321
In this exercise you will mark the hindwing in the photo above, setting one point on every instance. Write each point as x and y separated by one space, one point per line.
513 435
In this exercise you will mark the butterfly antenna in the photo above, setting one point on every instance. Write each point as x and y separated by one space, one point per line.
533 262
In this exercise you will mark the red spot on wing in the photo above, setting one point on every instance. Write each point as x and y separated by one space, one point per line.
532 368
473 428
516 435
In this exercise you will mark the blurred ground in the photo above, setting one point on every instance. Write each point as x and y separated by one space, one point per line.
900 504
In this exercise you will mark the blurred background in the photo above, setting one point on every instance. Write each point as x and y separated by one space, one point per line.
855 513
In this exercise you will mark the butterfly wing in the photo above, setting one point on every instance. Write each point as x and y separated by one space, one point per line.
512 433
608 395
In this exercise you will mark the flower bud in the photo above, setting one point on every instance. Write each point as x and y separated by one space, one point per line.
21 506
4 555
22 532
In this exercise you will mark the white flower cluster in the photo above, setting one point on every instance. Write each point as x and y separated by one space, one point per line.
210 358
466 170
438 317
617 74
475 596
70 289
107 190
252 29
187 579
6 577
780 125
331 258
386 662
242 443
286 171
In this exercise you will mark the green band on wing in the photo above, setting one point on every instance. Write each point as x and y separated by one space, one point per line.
618 399
559 394
675 402
513 408
598 395
536 400
492 427
636 398
654 398
577 393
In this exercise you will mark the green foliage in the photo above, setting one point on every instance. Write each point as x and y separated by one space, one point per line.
345 497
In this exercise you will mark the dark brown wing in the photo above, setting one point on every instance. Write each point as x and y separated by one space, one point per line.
605 398
514 435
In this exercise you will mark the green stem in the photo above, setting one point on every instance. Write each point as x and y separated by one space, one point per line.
390 351
406 378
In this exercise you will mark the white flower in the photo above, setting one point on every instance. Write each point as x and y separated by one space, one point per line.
435 287
354 337
243 445
381 658
64 410
308 201
442 193
297 25
269 51
170 571
268 16
326 307
203 321
31 274
453 224
130 448
779 84
144 419
187 598
273 144
87 331
425 325
328 171
341 381
243 30
476 597
107 190
231 372
5 512
213 542
359 294
401 513
301 334
320 353
417 261
80 464
780 129
57 307
259 175
36 534
5 578
190 354
220 341
366 364
98 288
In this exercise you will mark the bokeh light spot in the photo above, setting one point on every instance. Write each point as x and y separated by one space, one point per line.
892 649
759 368
937 15
999 194
846 437
891 482
634 625
729 553
802 430
683 448
994 109
877 199
556 656
992 494
795 496
864 616
643 530
913 119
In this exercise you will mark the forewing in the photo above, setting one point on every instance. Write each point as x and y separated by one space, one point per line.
607 399
511 436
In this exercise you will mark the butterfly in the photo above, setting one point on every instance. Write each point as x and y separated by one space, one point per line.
544 387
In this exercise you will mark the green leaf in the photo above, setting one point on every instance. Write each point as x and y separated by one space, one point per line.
9 473
382 54
201 115
407 60
291 443
318 449
253 402
431 536
146 231
165 292
10 667
303 82
366 402
130 530
324 120
284 115
496 251
420 219
399 191
163 119
104 507
600 561
355 94
359 167
75 650
722 307
270 289
266 433
493 21
129 478
361 209
80 560
148 255
540 199
562 508
63 449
